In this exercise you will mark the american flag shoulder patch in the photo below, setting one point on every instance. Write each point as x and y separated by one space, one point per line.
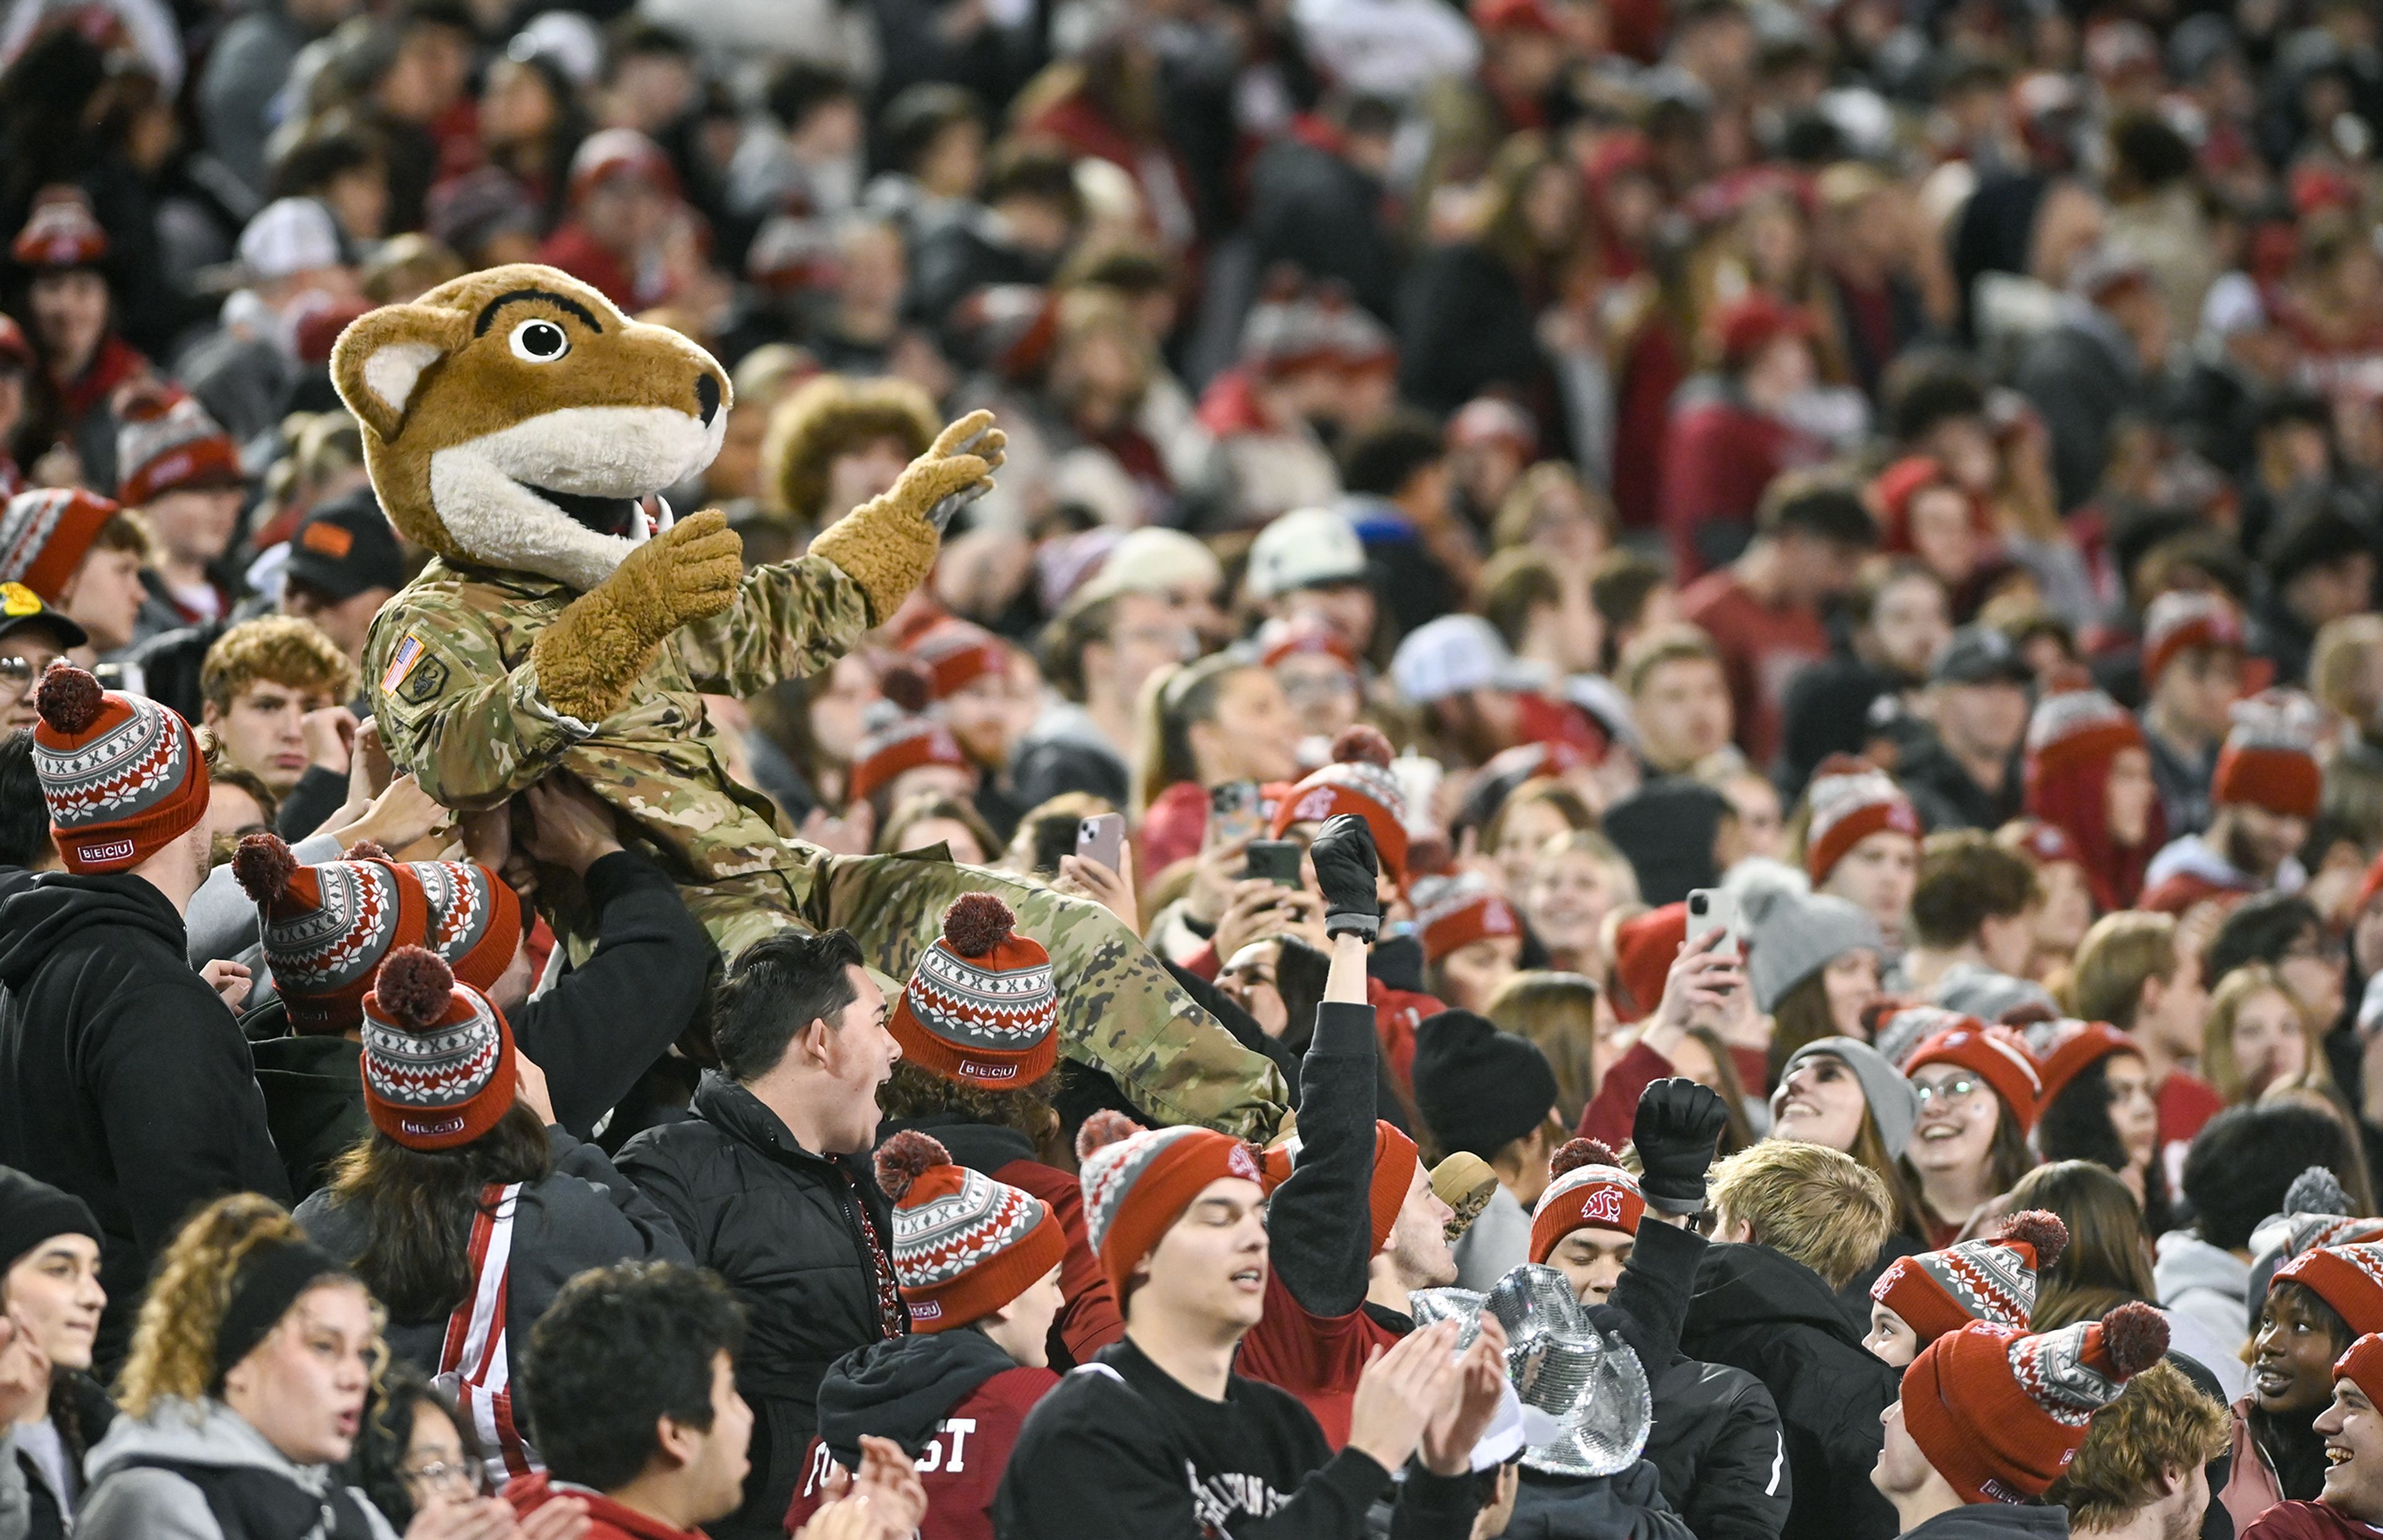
401 663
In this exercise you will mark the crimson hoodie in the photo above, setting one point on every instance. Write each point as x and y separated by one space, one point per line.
606 1518
953 1399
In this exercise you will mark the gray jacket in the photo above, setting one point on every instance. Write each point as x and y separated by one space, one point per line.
138 1502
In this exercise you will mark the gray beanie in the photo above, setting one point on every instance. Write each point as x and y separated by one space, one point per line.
1791 936
1893 1105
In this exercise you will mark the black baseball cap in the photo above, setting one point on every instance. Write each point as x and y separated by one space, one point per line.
1980 654
346 547
21 610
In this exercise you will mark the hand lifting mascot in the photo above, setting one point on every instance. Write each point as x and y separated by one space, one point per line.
512 421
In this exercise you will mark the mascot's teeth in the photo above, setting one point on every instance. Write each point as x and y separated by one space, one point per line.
663 517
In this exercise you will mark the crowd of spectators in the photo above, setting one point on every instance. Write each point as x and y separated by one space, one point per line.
1738 635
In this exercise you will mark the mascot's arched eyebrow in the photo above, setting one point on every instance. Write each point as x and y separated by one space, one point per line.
560 301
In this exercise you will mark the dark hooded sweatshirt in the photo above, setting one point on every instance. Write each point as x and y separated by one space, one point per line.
953 1399
123 1078
1761 1310
1995 1521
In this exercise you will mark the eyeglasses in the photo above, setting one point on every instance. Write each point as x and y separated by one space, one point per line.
1959 1088
16 678
441 1475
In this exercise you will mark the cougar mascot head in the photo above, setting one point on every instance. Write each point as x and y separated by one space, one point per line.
513 418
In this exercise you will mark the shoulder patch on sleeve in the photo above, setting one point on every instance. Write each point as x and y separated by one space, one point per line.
426 679
401 662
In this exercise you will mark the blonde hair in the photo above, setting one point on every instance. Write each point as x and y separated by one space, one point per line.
173 1354
1809 1203
2160 1420
2113 961
1677 643
280 649
2336 667
2219 1066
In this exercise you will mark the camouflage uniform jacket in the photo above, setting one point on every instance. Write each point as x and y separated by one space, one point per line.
460 706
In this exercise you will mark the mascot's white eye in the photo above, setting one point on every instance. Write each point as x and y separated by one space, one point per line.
539 342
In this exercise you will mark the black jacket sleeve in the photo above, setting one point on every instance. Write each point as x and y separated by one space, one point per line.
1651 1296
657 1233
1320 1218
599 1029
318 795
1434 1508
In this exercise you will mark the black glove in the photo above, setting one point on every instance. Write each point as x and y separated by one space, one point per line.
1348 874
1678 1124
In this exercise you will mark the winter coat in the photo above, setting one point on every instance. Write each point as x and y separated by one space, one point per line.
1089 1318
801 1237
314 1099
1628 1506
123 1078
200 1472
1465 326
2082 376
1718 1445
952 1400
2204 1282
1312 208
80 1415
584 1214
1758 1309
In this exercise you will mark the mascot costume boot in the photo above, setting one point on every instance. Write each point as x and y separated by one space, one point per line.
512 421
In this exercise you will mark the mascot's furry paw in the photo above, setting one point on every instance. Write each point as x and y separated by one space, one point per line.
888 543
592 655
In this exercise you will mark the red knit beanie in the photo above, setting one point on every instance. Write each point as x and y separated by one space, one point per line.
964 1245
121 774
168 443
956 654
1992 1281
2077 1050
2179 622
2363 1366
476 919
900 738
2269 759
1395 1161
44 535
2349 1278
2074 736
980 1007
1586 1189
1357 781
1138 1181
1851 799
439 1058
2000 1413
1454 912
1998 1056
1645 947
325 927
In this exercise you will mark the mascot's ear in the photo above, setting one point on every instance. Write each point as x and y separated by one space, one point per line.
379 362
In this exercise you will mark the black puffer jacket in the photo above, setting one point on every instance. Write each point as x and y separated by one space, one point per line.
1757 1310
123 1078
1719 1447
786 1229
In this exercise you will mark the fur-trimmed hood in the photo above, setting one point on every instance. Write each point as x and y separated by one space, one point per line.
512 418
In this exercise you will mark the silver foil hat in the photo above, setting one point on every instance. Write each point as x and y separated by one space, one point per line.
1586 1404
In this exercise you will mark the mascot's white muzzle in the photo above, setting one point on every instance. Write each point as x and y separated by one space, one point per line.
539 495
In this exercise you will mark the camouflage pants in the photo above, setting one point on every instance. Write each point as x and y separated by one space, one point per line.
1119 1009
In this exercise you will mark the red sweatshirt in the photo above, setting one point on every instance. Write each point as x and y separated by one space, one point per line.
606 1518
1089 1319
1314 1358
961 1465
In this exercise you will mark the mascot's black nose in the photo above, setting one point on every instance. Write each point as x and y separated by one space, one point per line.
707 396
